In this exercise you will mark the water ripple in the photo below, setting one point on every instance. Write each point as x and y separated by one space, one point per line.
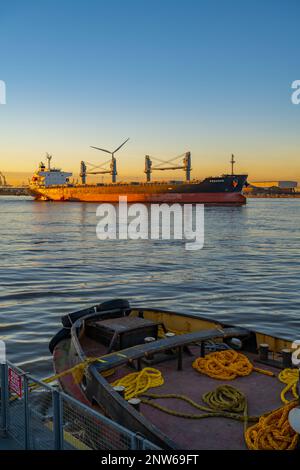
51 263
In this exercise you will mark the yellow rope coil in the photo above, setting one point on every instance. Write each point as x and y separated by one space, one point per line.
272 432
137 383
227 398
289 377
225 402
226 365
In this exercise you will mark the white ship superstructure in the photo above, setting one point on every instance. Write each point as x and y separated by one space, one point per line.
48 177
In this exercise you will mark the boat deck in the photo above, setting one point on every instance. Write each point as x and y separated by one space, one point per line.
262 392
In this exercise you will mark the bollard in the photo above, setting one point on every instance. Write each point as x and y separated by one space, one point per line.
120 389
169 334
263 351
235 343
149 339
135 402
286 358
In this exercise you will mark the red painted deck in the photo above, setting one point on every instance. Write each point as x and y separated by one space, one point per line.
263 394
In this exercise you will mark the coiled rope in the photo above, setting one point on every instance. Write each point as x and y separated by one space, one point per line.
226 401
227 398
273 432
226 365
289 377
137 383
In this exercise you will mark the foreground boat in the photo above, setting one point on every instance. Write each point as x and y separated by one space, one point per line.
106 345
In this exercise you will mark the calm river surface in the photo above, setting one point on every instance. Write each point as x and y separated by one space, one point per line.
248 272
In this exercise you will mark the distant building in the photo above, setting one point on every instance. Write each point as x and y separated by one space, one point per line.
273 186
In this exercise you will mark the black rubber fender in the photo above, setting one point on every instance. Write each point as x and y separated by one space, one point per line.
62 334
114 304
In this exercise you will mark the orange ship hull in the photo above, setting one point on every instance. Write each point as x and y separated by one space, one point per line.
67 194
226 189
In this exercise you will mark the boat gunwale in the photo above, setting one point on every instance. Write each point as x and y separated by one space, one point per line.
160 345
78 323
208 319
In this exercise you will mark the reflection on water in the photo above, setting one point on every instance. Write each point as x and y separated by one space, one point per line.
248 272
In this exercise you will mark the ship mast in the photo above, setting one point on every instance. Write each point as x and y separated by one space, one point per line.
49 158
232 161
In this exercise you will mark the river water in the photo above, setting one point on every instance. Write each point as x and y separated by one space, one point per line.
248 272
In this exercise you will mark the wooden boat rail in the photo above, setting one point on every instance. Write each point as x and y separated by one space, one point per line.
120 358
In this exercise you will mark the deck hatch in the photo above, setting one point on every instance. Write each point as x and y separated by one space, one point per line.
122 332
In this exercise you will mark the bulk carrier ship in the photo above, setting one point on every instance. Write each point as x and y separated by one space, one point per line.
54 184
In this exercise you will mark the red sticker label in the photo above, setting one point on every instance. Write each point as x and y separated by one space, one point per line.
15 382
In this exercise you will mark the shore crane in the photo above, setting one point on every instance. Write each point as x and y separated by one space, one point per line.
3 181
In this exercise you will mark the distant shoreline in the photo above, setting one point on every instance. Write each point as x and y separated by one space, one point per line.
14 191
273 196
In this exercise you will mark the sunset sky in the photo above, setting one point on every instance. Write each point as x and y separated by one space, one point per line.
210 76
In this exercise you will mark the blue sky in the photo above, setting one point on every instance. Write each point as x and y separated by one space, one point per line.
210 76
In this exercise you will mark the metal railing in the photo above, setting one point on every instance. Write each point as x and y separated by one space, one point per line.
38 416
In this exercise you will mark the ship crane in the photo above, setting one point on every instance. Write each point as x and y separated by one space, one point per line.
90 169
161 166
49 158
3 181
